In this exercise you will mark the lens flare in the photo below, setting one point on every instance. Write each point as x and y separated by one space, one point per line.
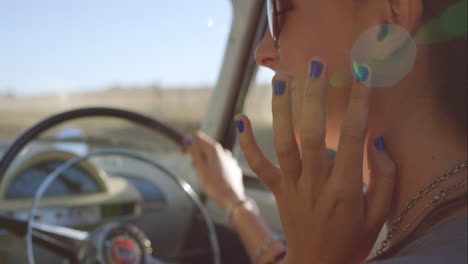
388 50
341 79
452 23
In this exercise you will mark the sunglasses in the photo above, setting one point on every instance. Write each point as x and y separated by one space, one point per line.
275 11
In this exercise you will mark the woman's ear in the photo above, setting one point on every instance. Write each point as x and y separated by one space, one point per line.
407 14
402 20
389 47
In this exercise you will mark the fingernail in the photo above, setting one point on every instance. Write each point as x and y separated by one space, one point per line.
279 87
362 73
379 143
240 126
188 142
315 69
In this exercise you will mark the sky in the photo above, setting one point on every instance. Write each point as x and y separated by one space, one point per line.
59 45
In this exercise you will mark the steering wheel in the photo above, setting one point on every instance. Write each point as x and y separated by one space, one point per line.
93 247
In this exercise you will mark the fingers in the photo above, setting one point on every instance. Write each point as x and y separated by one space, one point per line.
349 157
285 142
201 147
198 156
205 141
228 152
260 165
314 152
188 142
379 195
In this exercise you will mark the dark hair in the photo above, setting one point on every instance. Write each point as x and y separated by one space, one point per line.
449 64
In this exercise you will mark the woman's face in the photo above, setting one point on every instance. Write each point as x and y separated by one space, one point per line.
325 28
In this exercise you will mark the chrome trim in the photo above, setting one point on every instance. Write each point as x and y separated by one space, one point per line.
130 154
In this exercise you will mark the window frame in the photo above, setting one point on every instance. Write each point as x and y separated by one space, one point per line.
237 73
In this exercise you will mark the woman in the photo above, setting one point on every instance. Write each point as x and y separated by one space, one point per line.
401 138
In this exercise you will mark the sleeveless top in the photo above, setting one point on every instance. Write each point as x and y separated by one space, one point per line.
444 243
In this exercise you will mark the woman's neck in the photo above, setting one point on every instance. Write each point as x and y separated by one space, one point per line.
423 151
423 143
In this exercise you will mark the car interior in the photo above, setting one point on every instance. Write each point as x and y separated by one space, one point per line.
88 172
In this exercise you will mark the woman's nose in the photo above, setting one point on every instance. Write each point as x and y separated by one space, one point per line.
266 53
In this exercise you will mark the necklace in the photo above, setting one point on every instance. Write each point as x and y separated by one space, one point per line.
436 200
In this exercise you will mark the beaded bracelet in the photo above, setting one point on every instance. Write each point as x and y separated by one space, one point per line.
280 256
260 251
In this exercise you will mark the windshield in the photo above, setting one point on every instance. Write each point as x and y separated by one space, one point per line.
159 58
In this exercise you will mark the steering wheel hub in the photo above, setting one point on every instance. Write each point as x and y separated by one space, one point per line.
124 250
121 244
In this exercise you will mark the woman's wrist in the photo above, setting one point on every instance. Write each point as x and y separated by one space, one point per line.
226 201
246 205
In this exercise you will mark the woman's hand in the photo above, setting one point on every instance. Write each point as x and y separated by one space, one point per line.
325 214
220 174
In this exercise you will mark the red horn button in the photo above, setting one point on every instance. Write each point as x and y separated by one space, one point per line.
125 251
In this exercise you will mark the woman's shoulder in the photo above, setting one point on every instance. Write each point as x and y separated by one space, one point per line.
445 242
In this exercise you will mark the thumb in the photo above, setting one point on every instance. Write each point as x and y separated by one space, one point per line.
382 175
260 165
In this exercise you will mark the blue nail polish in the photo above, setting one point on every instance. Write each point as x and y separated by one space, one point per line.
362 74
279 87
240 125
188 142
315 70
379 143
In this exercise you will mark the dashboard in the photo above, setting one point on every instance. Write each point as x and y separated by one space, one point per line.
84 195
107 190
93 193
75 180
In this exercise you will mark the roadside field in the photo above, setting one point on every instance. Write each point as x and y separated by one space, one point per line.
181 108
